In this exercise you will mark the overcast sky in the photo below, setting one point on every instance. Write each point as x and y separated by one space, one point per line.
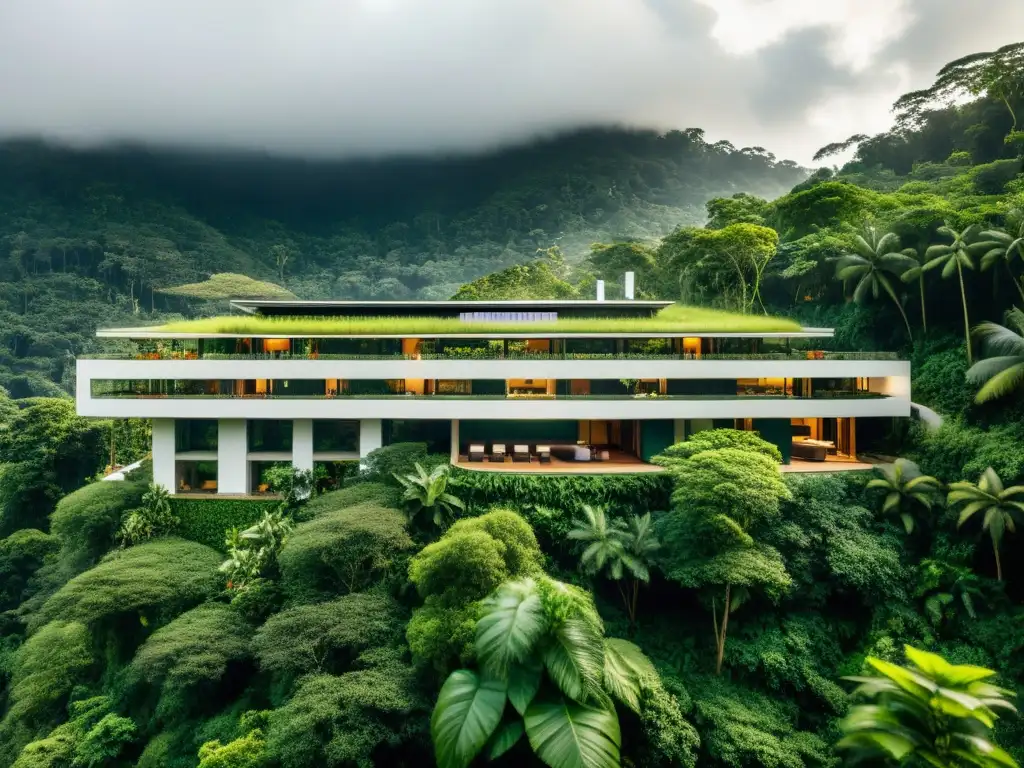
356 77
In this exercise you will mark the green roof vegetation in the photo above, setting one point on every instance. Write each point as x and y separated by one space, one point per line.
228 285
673 319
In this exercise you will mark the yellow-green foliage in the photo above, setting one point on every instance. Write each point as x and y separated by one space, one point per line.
673 319
154 580
536 280
472 559
229 285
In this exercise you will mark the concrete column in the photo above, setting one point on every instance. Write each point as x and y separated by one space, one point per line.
371 436
232 456
455 441
163 454
679 430
302 444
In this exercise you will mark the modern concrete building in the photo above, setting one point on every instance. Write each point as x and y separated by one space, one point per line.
566 386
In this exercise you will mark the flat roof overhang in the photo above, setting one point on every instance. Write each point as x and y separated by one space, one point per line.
144 333
618 308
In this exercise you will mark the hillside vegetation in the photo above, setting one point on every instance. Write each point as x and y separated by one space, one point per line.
127 236
719 613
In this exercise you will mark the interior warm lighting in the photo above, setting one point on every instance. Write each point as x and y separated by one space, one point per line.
691 346
277 345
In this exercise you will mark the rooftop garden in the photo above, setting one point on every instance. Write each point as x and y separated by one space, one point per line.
674 319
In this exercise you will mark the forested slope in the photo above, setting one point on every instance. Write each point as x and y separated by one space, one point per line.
91 237
709 615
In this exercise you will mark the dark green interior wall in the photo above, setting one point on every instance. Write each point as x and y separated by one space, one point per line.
778 432
700 386
724 423
436 433
486 431
607 387
655 436
487 386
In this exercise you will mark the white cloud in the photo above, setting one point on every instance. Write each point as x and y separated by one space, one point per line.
357 77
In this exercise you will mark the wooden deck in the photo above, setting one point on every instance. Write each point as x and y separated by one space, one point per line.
620 463
830 464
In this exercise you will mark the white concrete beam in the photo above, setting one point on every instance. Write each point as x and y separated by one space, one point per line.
302 444
371 436
163 454
232 456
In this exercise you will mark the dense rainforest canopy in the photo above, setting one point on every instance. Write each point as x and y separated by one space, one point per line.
707 615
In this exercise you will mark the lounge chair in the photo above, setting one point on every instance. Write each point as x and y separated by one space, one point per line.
476 452
498 453
521 453
544 454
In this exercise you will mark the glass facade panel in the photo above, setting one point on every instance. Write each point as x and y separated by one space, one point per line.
270 435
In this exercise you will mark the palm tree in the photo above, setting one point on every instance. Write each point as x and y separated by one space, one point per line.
904 487
1003 372
929 713
876 258
955 257
915 271
997 505
1005 246
617 548
540 647
429 491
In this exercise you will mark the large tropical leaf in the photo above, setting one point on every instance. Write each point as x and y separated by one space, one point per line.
523 683
511 624
506 737
567 734
468 710
575 660
624 665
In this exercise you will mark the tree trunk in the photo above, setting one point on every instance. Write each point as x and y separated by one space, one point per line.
722 629
999 561
924 315
963 299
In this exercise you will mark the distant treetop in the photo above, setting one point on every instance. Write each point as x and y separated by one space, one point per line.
228 285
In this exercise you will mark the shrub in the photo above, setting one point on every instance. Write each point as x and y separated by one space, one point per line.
325 637
21 554
549 502
356 718
469 562
740 727
378 494
156 580
153 518
92 737
343 551
206 520
247 751
381 465
86 520
189 657
956 451
713 439
47 668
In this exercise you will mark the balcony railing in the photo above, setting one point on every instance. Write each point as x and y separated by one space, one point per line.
489 355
